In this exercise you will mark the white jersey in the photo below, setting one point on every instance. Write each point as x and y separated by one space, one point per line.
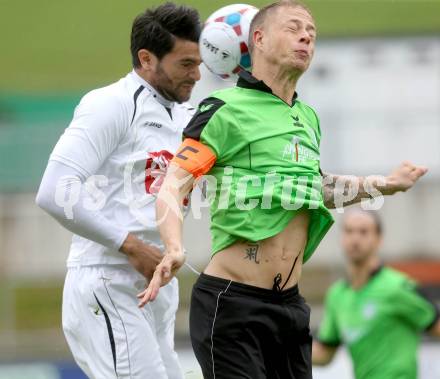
122 138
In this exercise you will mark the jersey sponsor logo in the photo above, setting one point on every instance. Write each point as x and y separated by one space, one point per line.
155 170
154 124
297 152
369 311
352 335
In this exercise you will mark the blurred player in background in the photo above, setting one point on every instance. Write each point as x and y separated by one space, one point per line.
247 318
376 312
101 184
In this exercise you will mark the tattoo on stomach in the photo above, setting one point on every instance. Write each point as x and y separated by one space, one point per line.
252 253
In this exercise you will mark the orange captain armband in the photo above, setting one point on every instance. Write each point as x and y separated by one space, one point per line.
194 157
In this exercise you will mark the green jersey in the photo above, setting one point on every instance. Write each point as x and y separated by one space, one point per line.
379 323
267 164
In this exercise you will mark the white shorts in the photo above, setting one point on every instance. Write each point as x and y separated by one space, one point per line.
109 336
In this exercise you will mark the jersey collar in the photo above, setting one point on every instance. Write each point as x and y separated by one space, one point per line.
166 103
376 271
247 80
372 275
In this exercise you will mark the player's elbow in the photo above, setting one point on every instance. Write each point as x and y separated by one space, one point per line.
42 201
45 200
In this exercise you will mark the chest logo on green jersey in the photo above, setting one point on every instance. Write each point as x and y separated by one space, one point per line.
309 130
295 151
352 335
205 107
369 311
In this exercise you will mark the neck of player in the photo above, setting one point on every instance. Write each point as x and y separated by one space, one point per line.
281 80
359 273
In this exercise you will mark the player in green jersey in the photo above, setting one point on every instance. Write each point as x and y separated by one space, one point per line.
377 313
259 146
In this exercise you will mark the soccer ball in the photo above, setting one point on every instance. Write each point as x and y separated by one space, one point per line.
224 40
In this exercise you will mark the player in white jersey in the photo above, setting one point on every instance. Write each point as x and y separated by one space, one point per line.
100 183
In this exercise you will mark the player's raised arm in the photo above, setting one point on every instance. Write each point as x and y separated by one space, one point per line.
344 190
94 132
193 160
98 125
177 184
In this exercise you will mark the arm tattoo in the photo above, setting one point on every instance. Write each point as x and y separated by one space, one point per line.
343 190
252 253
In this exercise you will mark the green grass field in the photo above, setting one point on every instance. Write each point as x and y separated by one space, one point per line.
64 46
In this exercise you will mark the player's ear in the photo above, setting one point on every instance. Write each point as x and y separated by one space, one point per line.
257 38
147 59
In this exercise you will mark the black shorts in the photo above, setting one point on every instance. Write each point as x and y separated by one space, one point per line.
240 331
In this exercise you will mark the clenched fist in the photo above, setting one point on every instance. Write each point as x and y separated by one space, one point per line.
403 178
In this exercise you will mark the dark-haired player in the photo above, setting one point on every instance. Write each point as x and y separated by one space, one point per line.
101 184
377 313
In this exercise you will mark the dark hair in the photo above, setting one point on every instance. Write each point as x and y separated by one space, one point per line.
261 16
156 29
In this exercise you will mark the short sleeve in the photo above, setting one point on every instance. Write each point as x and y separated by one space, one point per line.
328 333
98 124
211 125
414 308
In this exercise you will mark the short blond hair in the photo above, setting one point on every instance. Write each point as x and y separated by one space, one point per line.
261 16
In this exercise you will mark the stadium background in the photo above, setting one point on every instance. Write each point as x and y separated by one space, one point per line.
375 83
